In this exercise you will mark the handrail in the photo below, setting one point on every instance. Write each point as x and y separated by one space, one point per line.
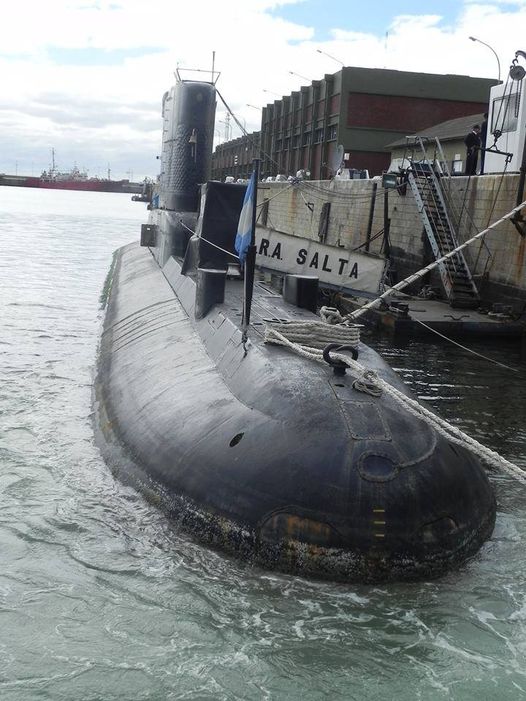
450 199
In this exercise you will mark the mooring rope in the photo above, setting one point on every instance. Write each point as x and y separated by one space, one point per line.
312 334
368 383
316 334
468 350
210 243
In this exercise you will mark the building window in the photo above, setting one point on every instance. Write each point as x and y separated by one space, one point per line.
306 138
457 166
318 136
504 114
296 141
331 132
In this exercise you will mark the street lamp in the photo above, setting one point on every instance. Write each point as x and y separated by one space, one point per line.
329 56
271 93
491 49
298 75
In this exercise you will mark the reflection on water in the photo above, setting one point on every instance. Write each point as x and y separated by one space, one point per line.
482 398
102 599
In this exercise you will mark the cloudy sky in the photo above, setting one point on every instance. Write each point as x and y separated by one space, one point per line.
87 76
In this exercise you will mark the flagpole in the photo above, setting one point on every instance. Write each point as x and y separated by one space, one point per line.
250 261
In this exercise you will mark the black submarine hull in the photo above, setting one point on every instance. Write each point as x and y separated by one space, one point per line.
267 455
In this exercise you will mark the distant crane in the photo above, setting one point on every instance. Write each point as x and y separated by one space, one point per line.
226 122
53 166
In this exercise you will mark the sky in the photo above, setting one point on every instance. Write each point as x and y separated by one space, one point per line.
86 77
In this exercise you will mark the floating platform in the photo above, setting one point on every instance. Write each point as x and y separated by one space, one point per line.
404 315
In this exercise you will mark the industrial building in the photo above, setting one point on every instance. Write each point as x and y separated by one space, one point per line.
361 109
235 158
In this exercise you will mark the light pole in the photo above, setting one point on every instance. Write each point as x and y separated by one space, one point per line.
272 93
329 56
491 49
253 107
298 75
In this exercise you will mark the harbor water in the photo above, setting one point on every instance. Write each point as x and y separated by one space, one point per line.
101 598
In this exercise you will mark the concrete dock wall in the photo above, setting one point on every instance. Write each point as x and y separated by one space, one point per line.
498 264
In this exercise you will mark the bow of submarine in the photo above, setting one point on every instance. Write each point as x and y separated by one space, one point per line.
362 488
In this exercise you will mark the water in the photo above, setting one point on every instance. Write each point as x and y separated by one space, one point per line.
101 599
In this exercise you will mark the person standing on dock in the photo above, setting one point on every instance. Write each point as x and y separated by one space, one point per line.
472 142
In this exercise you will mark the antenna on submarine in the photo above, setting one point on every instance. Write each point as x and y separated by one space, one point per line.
213 64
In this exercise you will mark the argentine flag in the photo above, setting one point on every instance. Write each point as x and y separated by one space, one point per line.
244 228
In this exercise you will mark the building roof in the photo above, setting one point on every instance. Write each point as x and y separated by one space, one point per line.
446 131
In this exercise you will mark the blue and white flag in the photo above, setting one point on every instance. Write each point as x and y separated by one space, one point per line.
244 228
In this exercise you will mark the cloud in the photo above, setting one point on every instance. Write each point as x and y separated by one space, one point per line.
87 76
90 56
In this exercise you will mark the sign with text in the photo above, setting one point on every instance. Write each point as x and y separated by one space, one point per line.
333 265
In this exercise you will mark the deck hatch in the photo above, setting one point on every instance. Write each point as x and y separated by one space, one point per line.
365 421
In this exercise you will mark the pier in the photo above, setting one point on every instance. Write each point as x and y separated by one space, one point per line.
405 315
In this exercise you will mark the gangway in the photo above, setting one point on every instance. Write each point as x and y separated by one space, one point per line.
425 178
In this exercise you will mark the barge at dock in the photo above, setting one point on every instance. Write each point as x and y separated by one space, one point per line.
262 451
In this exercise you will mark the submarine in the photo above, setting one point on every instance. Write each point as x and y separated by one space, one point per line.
248 446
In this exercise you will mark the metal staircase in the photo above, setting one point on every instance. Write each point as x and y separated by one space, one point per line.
425 178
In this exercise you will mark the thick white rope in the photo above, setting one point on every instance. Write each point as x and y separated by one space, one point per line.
368 383
451 433
316 334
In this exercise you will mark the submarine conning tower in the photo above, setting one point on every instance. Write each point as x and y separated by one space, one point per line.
188 112
186 157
